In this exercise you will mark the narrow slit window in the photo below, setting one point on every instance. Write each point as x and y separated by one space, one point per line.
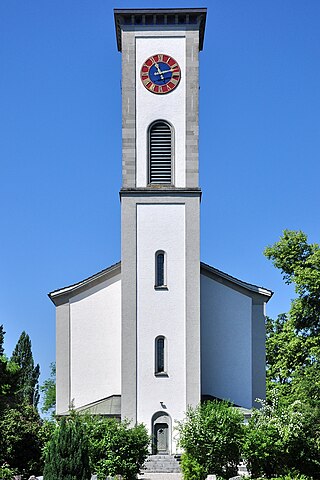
160 355
160 153
160 267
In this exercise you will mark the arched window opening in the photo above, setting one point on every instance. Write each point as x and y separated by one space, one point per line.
160 355
160 267
160 153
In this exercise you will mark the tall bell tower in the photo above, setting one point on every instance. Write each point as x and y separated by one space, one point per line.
160 203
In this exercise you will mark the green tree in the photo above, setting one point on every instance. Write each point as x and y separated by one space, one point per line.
293 340
278 441
299 263
2 334
211 436
27 383
49 392
9 372
67 455
116 448
20 439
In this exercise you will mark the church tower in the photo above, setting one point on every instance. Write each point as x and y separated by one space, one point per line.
160 203
160 330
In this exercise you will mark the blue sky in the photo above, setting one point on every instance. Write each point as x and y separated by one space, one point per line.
60 146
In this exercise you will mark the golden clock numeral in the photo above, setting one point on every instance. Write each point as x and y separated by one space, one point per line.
176 74
160 57
174 81
144 74
145 81
174 65
160 89
169 58
152 60
152 87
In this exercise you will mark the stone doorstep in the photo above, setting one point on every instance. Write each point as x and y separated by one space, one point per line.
161 476
161 464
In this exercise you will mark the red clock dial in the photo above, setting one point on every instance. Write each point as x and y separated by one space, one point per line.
160 73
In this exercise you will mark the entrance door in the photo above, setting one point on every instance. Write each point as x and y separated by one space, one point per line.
161 437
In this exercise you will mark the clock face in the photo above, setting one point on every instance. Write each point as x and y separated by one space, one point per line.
160 73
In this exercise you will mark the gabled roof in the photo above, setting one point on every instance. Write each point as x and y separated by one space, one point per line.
66 292
219 275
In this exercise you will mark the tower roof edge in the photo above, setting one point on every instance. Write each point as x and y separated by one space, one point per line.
142 17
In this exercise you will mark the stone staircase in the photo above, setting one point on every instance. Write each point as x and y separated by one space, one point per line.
242 469
161 464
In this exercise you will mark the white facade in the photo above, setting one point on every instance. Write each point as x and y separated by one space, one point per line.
127 345
166 107
229 322
232 336
161 312
94 353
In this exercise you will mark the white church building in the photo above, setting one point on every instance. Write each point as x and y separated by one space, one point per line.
160 330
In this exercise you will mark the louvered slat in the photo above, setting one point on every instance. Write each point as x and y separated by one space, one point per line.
160 153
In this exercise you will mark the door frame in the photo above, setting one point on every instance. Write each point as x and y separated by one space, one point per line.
161 418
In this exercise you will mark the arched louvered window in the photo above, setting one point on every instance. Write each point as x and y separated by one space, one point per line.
160 153
160 269
160 355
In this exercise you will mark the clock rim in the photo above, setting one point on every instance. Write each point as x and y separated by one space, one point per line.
151 91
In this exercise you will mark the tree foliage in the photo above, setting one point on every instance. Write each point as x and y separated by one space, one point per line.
20 439
299 263
48 390
2 333
8 377
115 447
67 454
293 340
278 441
28 387
21 429
211 437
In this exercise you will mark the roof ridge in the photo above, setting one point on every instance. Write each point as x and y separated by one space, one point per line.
85 280
235 279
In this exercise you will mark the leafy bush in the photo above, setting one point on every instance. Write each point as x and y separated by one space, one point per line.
67 454
115 448
192 470
291 476
211 437
20 442
276 440
6 472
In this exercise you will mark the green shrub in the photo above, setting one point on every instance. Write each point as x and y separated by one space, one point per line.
293 476
115 448
192 470
277 442
211 437
20 440
67 455
6 472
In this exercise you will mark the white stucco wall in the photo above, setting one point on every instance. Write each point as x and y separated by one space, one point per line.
170 107
226 343
95 344
161 312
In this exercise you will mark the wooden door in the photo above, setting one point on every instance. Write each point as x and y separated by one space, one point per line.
161 437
